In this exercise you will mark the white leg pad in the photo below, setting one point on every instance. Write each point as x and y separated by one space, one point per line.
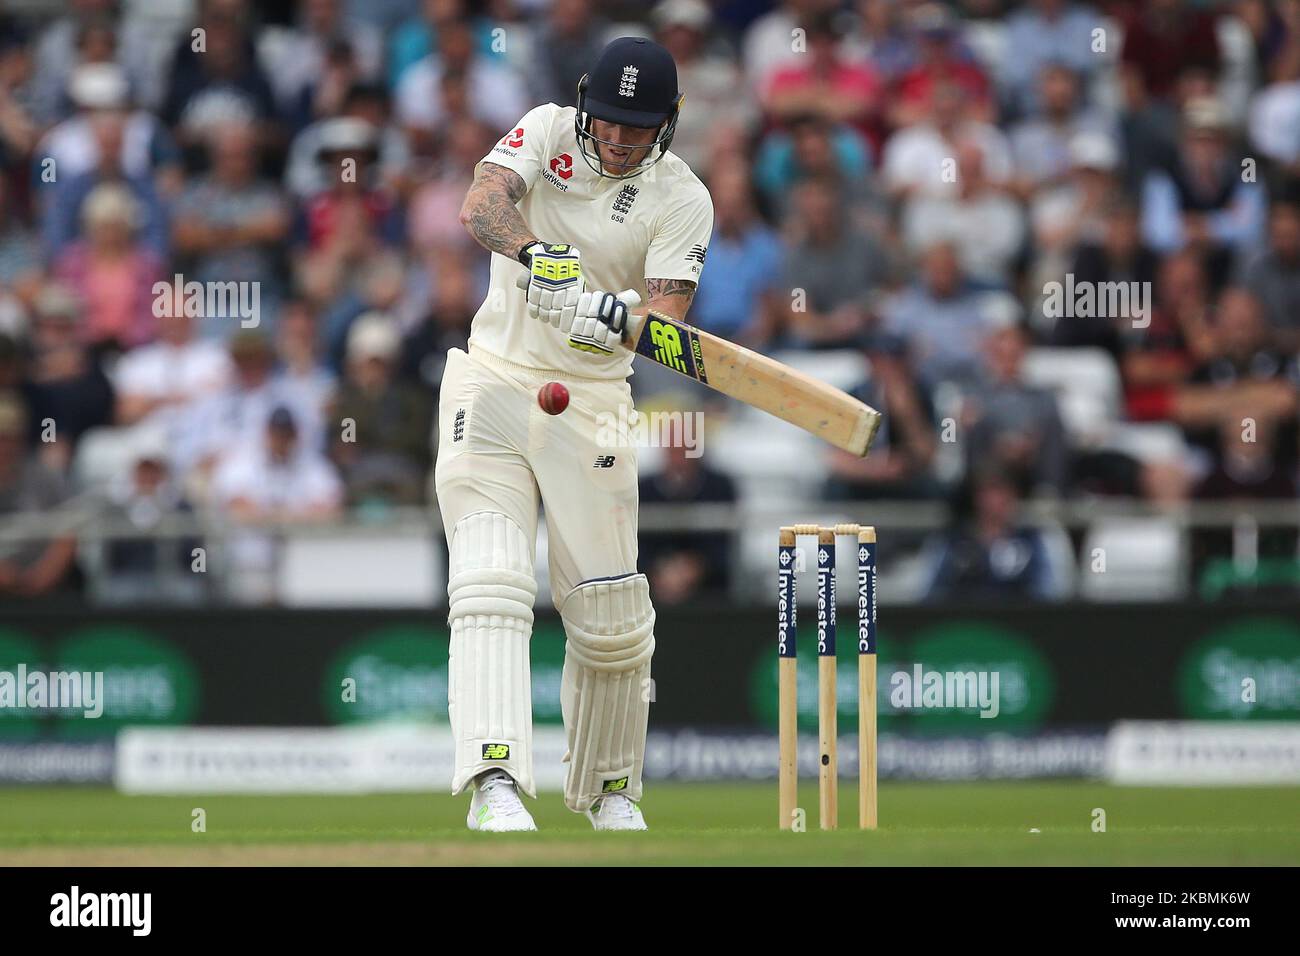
490 591
610 629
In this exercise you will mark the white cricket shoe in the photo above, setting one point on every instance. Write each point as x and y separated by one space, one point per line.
616 812
496 807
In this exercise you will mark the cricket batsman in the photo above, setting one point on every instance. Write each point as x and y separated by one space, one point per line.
585 202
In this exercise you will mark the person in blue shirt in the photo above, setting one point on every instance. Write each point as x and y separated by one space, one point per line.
743 266
990 555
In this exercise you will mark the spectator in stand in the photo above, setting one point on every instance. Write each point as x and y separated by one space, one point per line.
35 560
96 46
494 93
417 37
739 294
304 173
1117 256
147 567
445 327
810 147
824 83
1201 202
941 317
301 371
104 143
830 272
274 476
990 555
1167 49
66 391
942 60
112 272
1159 354
1273 274
686 565
1074 212
230 225
767 43
1014 424
720 104
901 459
154 382
881 36
353 220
232 419
384 450
1163 41
1247 470
20 257
1275 113
570 37
1043 145
1244 377
433 215
89 31
919 159
19 125
223 83
381 286
1047 35
984 223
324 53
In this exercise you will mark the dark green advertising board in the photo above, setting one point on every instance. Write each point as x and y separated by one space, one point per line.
942 671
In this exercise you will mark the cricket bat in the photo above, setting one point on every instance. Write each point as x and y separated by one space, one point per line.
757 380
750 377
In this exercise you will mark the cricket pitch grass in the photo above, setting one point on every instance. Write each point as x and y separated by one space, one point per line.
977 824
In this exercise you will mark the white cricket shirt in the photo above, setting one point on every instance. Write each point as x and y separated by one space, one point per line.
656 225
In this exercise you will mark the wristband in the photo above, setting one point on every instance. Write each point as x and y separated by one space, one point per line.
525 256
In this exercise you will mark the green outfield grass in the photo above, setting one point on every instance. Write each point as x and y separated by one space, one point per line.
921 824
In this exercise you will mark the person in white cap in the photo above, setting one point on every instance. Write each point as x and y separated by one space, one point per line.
101 95
1201 200
386 456
575 204
1075 211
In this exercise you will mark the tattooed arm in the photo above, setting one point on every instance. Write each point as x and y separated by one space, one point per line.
671 296
489 211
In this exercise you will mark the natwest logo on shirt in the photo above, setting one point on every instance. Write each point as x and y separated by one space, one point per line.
515 139
562 165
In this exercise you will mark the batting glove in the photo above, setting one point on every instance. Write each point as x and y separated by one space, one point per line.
555 283
601 321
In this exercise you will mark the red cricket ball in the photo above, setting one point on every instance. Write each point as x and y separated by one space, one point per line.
553 397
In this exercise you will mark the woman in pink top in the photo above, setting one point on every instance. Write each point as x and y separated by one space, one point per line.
112 272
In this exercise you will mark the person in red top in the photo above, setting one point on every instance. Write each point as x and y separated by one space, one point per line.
824 83
1164 40
1158 359
353 212
941 60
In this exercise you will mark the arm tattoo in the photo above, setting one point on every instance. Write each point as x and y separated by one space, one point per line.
673 296
489 211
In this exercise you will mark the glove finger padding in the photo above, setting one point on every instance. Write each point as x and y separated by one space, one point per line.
555 283
600 317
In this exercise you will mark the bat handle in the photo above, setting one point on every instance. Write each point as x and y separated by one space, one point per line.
629 297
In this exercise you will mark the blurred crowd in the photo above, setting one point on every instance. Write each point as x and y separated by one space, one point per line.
909 182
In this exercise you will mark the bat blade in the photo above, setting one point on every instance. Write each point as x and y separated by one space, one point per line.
751 377
758 380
